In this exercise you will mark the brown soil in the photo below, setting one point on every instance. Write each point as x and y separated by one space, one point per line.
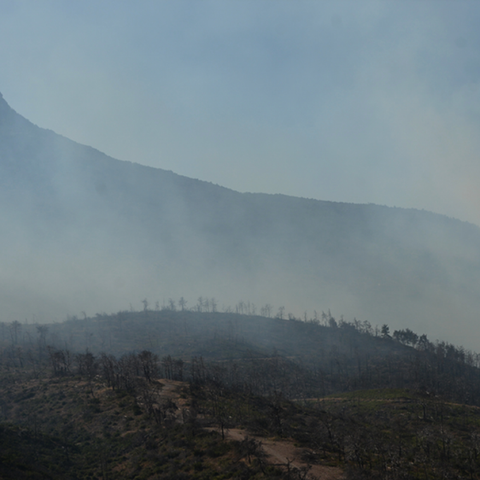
278 452
284 453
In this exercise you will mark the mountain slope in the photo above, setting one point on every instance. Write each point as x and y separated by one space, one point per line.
83 231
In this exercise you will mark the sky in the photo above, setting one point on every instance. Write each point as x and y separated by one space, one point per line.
350 101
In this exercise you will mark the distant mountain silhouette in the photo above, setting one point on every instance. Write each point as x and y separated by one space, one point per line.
83 231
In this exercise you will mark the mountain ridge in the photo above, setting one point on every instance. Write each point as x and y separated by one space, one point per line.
6 107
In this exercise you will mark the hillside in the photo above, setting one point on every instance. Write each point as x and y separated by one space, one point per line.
234 396
302 359
83 231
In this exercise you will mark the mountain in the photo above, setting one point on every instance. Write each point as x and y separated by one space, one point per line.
82 231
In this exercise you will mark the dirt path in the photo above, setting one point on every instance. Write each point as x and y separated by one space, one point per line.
278 452
285 453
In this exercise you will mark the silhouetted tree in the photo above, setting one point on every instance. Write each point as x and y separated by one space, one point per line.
183 303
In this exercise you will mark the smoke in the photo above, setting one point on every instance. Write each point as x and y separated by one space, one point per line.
375 102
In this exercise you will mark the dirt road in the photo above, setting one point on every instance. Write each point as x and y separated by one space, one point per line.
278 452
285 453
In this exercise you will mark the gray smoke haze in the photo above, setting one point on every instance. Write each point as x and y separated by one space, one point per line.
366 102
85 232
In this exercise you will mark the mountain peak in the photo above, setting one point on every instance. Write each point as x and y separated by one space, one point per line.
3 102
11 121
5 109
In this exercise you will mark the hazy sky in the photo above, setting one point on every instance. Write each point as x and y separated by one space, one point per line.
354 101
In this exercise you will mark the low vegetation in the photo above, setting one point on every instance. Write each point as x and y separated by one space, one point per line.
84 400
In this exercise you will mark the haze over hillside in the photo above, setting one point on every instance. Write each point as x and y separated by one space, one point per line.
84 232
